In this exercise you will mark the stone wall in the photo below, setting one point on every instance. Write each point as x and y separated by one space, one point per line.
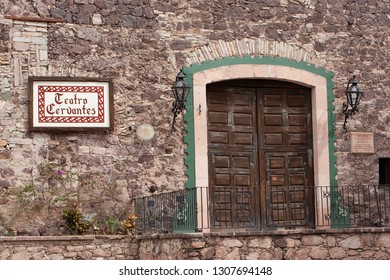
141 45
69 248
282 245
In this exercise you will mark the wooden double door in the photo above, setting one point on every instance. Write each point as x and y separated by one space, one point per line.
260 154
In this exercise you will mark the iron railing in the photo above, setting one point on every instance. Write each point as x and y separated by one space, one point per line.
240 208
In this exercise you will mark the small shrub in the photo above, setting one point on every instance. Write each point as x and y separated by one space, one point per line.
113 225
75 220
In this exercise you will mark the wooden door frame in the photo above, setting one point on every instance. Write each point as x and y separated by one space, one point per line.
222 104
318 80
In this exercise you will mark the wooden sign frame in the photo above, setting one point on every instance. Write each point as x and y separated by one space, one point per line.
70 104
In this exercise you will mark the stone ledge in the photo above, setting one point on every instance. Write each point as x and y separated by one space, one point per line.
302 231
192 235
265 233
45 238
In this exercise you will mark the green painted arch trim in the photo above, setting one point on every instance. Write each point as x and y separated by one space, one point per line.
189 138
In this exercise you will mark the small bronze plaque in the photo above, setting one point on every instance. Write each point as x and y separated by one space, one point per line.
362 143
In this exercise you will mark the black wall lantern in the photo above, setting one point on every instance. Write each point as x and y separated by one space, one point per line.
354 94
180 91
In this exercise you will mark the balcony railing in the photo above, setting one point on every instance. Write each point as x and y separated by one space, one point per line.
239 208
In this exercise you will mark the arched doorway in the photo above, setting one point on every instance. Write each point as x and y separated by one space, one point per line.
260 154
316 80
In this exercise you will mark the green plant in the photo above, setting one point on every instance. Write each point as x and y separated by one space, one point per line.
27 193
113 225
75 220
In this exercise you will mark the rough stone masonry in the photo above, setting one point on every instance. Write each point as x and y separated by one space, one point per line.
141 45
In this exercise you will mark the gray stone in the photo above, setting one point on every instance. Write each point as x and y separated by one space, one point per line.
180 44
21 47
100 4
88 9
337 253
21 256
233 255
352 242
97 19
4 184
318 253
265 255
57 13
42 9
331 241
260 242
381 255
384 240
207 253
100 253
290 254
252 256
231 243
312 240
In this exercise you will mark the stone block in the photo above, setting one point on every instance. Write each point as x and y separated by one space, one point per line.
56 257
100 253
5 254
43 55
86 255
21 256
381 255
352 242
337 253
84 149
74 248
367 254
55 249
21 47
20 249
39 40
232 243
198 244
233 255
265 255
97 19
318 253
252 256
99 150
38 256
384 240
312 240
261 242
207 253
331 241
70 255
21 39
290 254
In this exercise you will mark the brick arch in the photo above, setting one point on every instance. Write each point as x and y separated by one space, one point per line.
251 47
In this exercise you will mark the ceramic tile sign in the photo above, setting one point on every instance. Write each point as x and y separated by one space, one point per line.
70 104
362 143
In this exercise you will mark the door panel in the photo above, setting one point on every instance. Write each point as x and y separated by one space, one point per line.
287 189
232 144
260 155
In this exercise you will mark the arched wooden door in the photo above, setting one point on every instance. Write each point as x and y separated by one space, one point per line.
260 154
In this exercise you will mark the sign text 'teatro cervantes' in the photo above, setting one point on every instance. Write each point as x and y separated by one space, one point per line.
70 104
